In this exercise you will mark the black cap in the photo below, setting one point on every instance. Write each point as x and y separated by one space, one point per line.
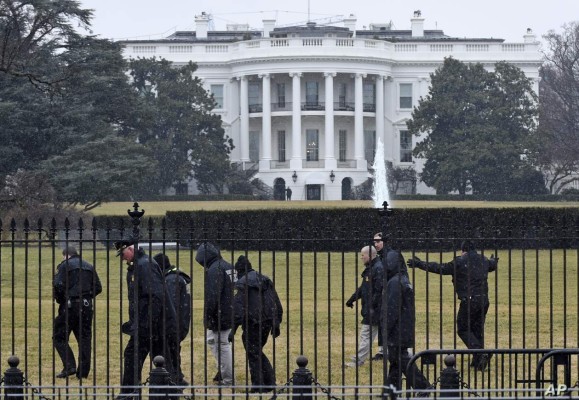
467 246
242 264
163 261
123 244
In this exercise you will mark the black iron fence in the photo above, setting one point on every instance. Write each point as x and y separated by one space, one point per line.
534 308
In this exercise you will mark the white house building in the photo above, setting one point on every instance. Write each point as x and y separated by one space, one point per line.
305 105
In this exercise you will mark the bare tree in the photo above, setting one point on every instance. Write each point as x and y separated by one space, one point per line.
557 144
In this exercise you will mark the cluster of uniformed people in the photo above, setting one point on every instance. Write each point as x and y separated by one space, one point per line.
159 300
388 311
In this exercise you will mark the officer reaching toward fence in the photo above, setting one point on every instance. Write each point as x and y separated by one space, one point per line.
75 285
470 279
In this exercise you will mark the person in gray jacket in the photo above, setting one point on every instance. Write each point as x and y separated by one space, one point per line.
218 308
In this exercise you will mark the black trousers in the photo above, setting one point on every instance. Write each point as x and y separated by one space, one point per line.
398 358
134 366
254 338
76 319
470 321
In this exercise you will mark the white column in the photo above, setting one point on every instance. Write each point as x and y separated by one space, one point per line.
380 108
244 119
359 122
264 162
329 134
296 160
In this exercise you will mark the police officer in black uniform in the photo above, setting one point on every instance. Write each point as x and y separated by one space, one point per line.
179 287
152 320
470 279
399 321
258 310
75 285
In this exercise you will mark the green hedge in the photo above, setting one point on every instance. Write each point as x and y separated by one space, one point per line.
340 229
572 196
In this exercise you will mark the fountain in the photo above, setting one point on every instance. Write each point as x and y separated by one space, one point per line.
380 194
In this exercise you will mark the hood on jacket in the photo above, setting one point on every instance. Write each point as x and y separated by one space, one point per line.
394 263
207 254
252 279
243 266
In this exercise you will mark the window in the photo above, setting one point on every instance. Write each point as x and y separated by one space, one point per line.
369 97
217 92
253 98
369 145
281 95
254 146
312 145
281 145
342 140
311 94
406 95
342 95
405 146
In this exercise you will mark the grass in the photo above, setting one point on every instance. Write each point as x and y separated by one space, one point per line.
160 208
534 304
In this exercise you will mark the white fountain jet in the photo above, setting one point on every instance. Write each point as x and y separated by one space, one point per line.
380 179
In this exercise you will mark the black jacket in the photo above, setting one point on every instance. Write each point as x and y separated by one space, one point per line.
149 299
256 301
469 273
399 318
179 286
370 291
219 278
75 278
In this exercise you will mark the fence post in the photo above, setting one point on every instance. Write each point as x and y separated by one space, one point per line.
449 378
302 377
159 379
13 380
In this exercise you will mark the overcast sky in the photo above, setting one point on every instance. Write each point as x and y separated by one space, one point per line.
506 19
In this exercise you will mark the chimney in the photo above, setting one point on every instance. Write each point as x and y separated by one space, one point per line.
350 23
417 24
530 36
201 25
268 26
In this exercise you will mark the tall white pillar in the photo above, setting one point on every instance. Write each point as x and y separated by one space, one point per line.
359 122
380 108
244 119
264 162
296 160
329 134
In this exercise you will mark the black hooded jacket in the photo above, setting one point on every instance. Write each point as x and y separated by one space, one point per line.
149 298
398 302
256 300
219 278
370 291
469 273
179 286
75 278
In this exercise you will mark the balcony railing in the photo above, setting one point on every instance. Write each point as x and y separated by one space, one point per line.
369 107
344 106
313 106
255 108
346 163
281 106
276 164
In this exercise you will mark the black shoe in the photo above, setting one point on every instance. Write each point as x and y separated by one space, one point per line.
217 378
182 382
483 362
66 372
378 357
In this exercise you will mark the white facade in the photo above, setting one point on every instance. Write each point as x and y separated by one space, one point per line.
306 103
